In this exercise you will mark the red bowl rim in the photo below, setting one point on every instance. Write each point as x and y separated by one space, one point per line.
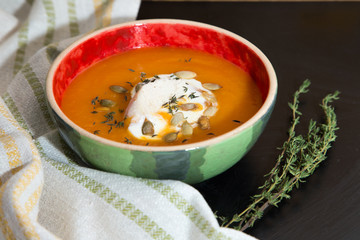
267 105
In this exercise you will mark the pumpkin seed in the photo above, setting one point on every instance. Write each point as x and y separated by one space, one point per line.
118 89
147 128
209 97
170 137
210 111
107 103
186 129
204 122
211 86
187 106
102 109
177 118
185 74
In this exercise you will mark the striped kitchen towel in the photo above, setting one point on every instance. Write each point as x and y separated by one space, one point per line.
45 192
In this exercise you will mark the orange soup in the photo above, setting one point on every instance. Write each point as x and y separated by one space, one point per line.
98 99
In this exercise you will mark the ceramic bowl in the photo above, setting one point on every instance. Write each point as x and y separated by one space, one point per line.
191 163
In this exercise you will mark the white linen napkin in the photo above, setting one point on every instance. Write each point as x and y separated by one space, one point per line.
8 23
45 193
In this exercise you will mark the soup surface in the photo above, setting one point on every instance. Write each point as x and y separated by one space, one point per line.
86 100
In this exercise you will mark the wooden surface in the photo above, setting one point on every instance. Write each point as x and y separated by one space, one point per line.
319 41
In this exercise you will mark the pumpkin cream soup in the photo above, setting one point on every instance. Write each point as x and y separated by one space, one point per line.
161 96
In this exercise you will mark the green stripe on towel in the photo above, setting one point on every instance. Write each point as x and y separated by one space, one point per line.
50 14
73 22
15 111
22 44
39 93
30 2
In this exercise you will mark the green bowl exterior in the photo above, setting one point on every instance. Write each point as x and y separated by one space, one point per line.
190 165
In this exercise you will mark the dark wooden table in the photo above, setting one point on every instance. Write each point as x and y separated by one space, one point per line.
318 41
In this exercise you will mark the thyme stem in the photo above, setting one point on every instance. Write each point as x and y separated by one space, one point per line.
299 158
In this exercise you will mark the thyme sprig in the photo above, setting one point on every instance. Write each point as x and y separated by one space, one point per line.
300 156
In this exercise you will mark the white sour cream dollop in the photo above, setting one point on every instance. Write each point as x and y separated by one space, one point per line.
151 102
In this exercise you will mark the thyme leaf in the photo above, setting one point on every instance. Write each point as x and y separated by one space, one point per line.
142 76
300 156
94 100
192 95
119 124
128 141
171 105
109 117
